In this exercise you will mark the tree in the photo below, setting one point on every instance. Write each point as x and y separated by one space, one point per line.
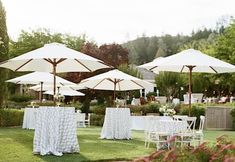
4 41
224 49
169 83
113 54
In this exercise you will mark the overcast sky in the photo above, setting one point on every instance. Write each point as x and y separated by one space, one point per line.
108 21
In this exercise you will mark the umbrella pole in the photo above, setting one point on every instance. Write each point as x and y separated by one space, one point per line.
54 84
41 95
190 88
114 92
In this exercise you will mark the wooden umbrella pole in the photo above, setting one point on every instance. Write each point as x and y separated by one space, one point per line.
41 95
190 87
54 84
114 92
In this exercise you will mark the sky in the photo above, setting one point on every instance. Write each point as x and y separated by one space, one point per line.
109 21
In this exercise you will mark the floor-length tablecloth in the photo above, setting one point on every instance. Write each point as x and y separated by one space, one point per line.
29 120
117 124
55 131
142 122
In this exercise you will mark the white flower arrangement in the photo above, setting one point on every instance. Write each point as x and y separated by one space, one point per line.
167 110
59 97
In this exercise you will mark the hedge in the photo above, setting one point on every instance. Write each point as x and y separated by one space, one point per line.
97 120
233 117
11 117
195 111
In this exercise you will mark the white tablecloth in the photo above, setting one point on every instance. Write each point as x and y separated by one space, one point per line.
55 131
141 122
117 124
169 126
29 118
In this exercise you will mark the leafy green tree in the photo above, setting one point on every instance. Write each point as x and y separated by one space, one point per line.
224 49
34 39
4 41
169 83
129 70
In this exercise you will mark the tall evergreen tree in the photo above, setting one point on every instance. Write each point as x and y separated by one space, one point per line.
4 40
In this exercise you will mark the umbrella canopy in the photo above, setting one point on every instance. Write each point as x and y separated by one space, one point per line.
54 58
66 93
40 78
200 62
49 87
114 80
192 61
152 64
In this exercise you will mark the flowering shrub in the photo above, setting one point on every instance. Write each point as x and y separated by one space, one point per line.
167 110
224 150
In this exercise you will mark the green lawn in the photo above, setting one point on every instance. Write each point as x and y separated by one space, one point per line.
16 145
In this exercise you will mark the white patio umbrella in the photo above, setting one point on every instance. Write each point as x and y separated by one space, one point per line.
152 64
192 61
50 87
114 80
66 93
54 58
40 78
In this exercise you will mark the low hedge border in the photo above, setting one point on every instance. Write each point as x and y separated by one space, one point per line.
11 117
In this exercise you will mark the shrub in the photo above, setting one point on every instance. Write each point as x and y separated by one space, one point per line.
195 111
152 108
21 98
11 117
151 94
144 109
97 120
222 150
233 117
98 109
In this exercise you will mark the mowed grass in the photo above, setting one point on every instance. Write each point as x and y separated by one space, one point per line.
16 145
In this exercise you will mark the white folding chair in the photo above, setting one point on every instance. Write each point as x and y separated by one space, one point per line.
81 119
153 134
187 136
87 121
179 117
199 134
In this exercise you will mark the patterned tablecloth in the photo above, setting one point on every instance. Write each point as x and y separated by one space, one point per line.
142 122
29 118
117 124
170 126
55 131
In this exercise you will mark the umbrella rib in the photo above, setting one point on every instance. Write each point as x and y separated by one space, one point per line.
106 64
153 68
98 83
182 69
60 60
213 69
49 60
137 84
83 65
23 64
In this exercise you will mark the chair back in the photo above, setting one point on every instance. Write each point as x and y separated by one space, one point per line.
81 116
179 117
202 121
191 121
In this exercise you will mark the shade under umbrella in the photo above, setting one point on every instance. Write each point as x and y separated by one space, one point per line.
114 80
55 58
192 61
40 78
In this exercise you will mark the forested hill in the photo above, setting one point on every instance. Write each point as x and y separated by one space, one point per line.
145 49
